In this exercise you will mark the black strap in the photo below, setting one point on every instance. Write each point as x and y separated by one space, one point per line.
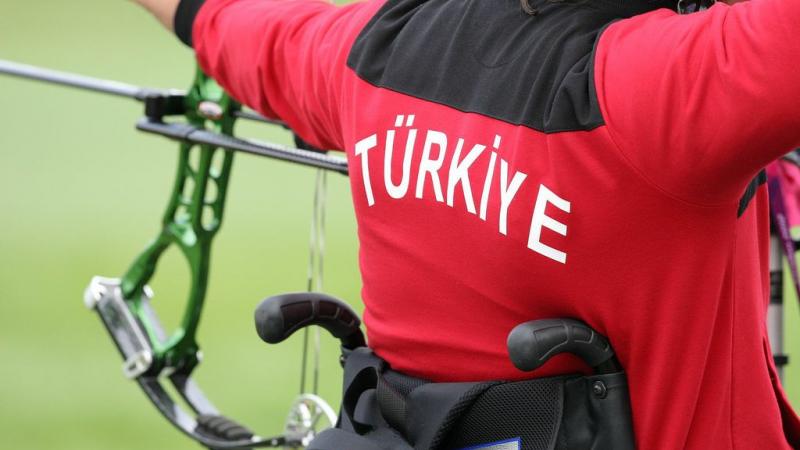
392 405
184 19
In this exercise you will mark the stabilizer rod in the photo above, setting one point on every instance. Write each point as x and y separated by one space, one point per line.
182 132
72 80
187 133
103 86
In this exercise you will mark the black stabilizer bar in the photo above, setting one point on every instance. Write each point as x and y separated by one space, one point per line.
532 344
188 133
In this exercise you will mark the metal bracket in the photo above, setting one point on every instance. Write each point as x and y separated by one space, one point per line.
104 295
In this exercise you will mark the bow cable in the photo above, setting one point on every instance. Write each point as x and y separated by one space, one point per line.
314 281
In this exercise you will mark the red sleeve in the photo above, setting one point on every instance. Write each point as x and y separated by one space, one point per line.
699 103
284 58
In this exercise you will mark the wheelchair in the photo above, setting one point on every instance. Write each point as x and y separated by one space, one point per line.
386 410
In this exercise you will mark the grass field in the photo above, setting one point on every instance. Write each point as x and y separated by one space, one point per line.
81 192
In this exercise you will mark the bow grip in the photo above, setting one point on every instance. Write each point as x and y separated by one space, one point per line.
279 316
531 344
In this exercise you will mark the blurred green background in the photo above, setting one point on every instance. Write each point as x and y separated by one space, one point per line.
81 192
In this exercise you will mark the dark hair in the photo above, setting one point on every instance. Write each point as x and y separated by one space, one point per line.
527 8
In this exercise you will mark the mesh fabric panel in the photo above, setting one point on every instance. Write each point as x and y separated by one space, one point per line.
530 410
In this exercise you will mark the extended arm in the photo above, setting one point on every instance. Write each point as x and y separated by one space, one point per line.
284 58
698 104
163 10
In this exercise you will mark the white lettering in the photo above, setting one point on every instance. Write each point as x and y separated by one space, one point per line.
432 166
399 190
430 170
487 185
540 220
459 174
362 147
507 193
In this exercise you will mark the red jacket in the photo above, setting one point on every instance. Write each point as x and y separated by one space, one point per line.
588 162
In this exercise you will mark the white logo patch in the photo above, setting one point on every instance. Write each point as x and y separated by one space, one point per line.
508 444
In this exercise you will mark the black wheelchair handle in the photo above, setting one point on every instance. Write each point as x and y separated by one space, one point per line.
279 316
533 343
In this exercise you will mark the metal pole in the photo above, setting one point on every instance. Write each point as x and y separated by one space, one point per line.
72 80
775 310
103 86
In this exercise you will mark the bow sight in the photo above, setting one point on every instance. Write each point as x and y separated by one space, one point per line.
193 216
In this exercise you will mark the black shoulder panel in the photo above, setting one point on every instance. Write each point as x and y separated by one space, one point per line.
489 57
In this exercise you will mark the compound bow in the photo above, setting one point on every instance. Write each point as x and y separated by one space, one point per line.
193 216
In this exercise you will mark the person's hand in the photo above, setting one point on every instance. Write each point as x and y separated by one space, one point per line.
163 10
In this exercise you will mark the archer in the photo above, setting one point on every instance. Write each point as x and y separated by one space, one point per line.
639 116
